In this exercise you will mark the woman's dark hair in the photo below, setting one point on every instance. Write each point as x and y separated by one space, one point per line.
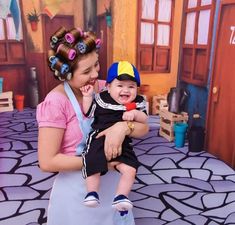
67 47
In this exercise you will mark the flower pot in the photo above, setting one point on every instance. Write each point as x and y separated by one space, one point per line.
34 25
19 102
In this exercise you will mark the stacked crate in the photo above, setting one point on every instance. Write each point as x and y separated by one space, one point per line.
158 102
6 103
167 121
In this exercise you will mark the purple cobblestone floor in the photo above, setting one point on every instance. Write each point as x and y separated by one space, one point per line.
173 186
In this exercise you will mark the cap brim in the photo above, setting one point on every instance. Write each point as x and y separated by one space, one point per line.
126 77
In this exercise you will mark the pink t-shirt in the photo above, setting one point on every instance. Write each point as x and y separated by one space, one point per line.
57 111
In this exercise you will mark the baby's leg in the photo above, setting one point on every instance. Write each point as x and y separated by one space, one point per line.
92 197
121 201
93 182
127 179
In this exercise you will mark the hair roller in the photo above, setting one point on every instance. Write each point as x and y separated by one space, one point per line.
57 73
54 61
63 68
58 35
98 43
81 47
73 35
51 54
69 76
66 52
56 64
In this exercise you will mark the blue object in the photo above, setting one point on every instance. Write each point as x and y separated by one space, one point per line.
123 70
123 213
15 12
81 46
64 68
180 130
1 84
53 61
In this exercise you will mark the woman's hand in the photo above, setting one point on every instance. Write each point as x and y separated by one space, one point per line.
114 137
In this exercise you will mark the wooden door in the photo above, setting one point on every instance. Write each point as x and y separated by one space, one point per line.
102 34
220 138
50 26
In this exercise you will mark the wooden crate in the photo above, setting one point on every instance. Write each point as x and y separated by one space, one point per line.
158 102
6 103
167 121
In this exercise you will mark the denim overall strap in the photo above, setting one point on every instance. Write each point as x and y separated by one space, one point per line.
85 123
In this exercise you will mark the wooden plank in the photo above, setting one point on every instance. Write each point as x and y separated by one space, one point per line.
6 103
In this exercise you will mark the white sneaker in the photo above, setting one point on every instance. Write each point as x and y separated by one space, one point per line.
122 203
91 199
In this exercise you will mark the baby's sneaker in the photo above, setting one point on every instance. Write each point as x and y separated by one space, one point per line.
122 203
91 199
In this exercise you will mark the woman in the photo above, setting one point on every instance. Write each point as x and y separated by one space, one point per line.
62 132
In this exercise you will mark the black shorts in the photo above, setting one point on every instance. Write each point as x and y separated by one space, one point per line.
94 160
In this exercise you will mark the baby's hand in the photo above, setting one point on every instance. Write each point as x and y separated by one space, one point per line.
87 90
129 115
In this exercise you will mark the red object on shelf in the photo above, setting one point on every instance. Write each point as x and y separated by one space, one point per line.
19 102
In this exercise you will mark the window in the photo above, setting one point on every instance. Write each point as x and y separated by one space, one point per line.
198 21
154 35
11 37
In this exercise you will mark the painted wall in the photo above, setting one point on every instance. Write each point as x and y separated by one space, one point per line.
124 33
68 7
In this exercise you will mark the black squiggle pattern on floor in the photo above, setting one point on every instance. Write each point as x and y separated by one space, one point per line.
24 189
173 186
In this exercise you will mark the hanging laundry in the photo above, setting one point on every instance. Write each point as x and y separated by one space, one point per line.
11 7
15 12
4 8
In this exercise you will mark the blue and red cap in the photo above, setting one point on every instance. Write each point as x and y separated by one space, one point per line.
123 70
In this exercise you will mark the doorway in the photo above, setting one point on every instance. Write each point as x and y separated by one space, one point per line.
220 138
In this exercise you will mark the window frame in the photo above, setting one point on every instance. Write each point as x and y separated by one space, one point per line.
12 52
157 57
195 58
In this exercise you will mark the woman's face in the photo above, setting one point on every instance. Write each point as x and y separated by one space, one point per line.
86 72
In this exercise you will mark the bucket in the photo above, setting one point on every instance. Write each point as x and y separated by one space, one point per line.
19 102
180 130
1 84
196 137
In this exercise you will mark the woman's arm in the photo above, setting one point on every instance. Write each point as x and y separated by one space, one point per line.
115 135
49 156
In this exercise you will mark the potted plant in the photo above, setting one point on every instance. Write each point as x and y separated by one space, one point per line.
108 16
33 18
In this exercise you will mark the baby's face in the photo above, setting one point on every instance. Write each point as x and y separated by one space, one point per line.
122 92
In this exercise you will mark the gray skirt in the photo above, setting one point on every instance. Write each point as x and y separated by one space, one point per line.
66 202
